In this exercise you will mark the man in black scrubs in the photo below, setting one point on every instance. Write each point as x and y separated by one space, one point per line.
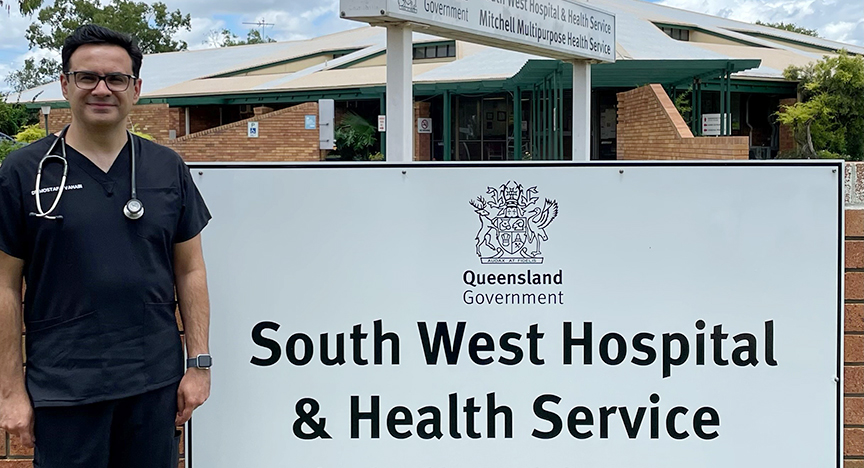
105 382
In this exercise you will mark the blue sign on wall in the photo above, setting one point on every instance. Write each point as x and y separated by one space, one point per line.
310 122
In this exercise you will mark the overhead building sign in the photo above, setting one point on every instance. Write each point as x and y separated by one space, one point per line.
651 315
555 28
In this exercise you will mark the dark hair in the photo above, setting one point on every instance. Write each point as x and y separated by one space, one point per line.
94 34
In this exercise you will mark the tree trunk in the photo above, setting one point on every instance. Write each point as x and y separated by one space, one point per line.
810 149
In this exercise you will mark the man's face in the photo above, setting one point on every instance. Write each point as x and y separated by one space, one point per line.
100 106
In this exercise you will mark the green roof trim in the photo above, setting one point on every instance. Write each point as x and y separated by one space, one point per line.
787 88
54 105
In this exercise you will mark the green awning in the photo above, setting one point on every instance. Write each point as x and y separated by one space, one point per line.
635 73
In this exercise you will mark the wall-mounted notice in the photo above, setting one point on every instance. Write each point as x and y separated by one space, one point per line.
252 129
650 315
424 125
711 124
554 28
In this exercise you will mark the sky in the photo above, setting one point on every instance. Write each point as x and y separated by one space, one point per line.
840 20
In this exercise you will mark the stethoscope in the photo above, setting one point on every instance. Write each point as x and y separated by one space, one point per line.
133 209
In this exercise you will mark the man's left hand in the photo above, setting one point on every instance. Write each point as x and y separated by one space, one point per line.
193 392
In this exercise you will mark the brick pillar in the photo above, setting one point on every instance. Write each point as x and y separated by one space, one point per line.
787 137
422 141
853 339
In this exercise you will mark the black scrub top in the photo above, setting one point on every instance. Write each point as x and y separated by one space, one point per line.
99 303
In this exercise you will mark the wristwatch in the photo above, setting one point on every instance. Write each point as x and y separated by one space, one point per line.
201 361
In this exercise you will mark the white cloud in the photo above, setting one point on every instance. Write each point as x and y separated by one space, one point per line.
12 29
837 20
199 36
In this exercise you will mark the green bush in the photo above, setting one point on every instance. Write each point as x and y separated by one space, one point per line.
354 138
30 133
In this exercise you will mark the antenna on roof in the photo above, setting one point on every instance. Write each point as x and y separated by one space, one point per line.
261 24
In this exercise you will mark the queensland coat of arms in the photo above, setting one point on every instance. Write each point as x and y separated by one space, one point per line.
512 224
408 5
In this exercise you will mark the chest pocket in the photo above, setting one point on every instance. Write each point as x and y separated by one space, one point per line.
161 213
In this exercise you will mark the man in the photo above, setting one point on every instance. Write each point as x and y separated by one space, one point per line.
105 383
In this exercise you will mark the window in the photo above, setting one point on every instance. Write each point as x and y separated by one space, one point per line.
434 51
677 33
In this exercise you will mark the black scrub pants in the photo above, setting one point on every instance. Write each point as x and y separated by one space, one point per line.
133 432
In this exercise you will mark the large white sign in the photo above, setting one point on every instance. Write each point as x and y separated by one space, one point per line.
561 29
650 315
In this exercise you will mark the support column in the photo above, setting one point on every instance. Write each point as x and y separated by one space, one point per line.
581 111
517 124
447 126
723 109
400 95
729 102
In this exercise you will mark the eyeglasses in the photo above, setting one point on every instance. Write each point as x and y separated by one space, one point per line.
88 80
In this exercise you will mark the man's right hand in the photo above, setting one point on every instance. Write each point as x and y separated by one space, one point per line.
16 417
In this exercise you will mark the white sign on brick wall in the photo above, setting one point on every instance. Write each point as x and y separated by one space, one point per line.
643 314
424 125
252 129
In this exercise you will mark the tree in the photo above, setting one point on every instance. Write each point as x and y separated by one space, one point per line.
226 38
829 119
790 27
26 7
154 26
33 74
14 116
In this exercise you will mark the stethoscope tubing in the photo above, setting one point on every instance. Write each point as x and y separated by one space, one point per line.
127 210
48 156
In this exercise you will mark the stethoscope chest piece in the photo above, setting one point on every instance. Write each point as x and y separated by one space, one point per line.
133 209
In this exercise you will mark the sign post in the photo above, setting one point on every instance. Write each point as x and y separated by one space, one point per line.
562 29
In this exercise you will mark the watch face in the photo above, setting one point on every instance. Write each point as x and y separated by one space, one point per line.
205 361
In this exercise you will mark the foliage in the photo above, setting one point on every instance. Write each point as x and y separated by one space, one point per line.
26 7
790 27
30 133
7 147
153 25
830 115
684 104
33 74
225 38
355 137
134 130
14 116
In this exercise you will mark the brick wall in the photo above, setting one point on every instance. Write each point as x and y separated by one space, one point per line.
152 119
787 137
853 341
422 141
282 137
649 127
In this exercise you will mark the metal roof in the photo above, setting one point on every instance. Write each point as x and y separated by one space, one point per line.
644 53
